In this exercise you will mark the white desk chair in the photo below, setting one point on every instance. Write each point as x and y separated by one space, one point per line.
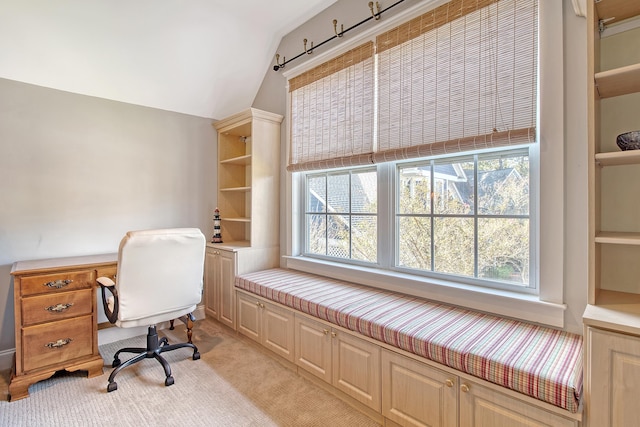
159 278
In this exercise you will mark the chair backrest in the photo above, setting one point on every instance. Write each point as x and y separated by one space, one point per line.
160 274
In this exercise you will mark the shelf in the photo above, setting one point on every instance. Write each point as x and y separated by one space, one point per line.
613 11
237 219
618 158
240 161
619 81
236 189
618 238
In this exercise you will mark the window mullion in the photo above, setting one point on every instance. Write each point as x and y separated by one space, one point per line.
475 215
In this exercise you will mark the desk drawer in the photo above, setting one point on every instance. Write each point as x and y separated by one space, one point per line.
109 272
59 282
58 306
56 342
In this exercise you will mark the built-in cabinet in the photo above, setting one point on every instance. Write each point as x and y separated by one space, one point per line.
614 366
219 276
415 394
267 324
347 362
222 263
614 207
249 204
400 389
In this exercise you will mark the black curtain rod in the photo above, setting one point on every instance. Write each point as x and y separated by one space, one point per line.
375 16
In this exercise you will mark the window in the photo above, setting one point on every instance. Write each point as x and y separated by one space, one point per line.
341 215
466 216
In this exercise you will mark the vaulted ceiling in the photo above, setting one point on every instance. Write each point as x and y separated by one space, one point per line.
200 57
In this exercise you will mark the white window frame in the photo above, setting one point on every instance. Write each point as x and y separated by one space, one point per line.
547 306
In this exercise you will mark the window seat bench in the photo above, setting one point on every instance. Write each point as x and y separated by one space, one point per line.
538 361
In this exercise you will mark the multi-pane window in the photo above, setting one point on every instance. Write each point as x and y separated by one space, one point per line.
341 214
467 216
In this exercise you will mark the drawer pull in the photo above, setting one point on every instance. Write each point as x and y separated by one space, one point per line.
464 388
59 308
59 343
58 283
449 383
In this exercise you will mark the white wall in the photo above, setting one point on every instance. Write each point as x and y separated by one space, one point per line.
272 97
77 173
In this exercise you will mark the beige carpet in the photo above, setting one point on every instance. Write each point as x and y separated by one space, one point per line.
234 383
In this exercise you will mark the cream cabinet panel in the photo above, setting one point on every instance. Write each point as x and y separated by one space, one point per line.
350 364
313 347
484 407
268 324
278 330
614 372
356 368
227 266
248 317
211 285
415 394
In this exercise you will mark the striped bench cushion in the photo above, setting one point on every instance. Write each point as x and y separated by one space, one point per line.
540 362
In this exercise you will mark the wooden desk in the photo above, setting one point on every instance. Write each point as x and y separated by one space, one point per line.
56 318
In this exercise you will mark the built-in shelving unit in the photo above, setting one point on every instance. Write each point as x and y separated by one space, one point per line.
612 315
614 177
248 172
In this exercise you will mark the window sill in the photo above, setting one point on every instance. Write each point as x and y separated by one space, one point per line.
525 307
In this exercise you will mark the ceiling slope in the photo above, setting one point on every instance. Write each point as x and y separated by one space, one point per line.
202 57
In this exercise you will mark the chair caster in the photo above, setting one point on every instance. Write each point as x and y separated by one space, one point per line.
116 363
168 381
112 387
196 356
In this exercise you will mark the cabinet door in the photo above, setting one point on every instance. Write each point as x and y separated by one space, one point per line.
614 374
227 268
278 330
356 368
211 289
249 317
313 347
484 407
416 394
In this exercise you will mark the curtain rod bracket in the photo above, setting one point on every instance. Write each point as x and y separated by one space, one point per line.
335 28
310 51
278 64
375 15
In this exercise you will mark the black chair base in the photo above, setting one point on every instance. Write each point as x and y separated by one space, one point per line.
153 350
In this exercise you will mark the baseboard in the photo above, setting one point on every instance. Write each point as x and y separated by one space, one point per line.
105 336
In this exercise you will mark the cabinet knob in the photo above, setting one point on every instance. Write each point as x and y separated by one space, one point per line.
325 331
464 388
258 303
261 305
448 383
334 334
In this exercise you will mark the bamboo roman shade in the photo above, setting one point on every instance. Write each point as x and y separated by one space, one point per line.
332 112
460 77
